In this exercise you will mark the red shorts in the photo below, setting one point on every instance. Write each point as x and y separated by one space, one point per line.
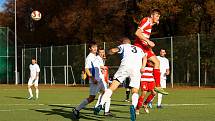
145 48
147 86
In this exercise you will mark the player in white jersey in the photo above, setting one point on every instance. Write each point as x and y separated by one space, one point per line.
93 70
34 78
101 57
164 70
133 59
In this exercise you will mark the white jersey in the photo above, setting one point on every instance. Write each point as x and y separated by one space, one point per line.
131 56
164 65
34 69
101 63
94 65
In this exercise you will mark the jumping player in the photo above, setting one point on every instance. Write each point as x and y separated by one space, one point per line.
128 68
142 41
34 78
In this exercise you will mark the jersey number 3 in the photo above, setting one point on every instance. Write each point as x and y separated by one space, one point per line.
134 50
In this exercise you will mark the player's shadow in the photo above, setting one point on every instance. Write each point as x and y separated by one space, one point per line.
21 98
61 110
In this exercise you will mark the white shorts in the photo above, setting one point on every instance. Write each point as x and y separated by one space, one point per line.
33 82
133 73
163 83
95 88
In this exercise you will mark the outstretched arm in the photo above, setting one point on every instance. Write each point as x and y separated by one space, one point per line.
113 51
144 61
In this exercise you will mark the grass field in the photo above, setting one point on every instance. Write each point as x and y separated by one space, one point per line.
56 103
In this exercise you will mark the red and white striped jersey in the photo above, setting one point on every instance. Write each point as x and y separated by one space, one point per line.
146 27
147 75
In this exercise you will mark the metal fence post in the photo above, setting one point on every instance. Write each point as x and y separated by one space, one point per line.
51 65
7 54
22 66
199 76
172 61
67 64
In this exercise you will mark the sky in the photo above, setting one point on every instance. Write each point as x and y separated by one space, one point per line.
1 4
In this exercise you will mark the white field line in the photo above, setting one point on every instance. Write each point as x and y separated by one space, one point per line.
41 104
26 109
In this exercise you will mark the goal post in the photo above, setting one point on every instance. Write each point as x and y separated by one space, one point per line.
58 74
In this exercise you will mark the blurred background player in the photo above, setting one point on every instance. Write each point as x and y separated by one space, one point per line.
127 68
142 41
101 58
93 70
34 78
147 84
83 77
164 69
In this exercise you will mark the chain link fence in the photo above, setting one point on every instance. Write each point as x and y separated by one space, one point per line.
190 64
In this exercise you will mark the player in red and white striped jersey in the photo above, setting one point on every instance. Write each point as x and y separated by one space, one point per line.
147 84
142 41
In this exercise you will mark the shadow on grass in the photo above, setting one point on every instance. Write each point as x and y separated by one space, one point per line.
64 112
21 98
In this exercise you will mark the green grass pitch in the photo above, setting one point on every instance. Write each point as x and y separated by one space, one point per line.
55 104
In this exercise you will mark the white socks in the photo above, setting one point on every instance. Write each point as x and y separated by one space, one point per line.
106 96
30 92
37 93
82 105
107 105
134 98
99 99
159 99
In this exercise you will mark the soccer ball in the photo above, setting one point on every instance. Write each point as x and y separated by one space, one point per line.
36 15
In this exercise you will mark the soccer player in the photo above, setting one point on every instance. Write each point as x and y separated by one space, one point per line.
34 78
93 70
101 58
142 41
147 84
164 69
133 59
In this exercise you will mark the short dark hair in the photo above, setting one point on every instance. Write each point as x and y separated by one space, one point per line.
33 58
154 11
91 43
101 48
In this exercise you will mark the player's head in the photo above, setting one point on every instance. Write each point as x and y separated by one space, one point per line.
162 52
93 47
33 60
125 40
101 52
155 15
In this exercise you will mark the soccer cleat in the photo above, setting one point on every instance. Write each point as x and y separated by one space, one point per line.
29 98
109 114
146 108
75 114
150 104
137 112
126 100
160 107
132 113
161 90
97 109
